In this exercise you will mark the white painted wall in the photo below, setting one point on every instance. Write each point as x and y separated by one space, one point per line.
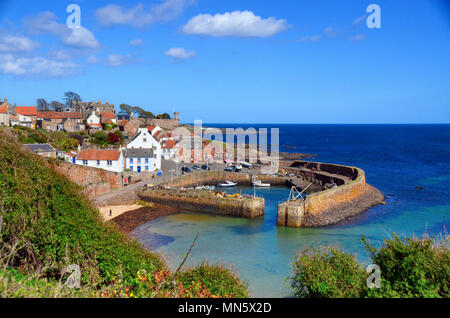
116 165
143 139
93 119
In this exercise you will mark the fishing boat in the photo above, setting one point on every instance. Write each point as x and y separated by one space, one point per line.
258 183
245 164
227 184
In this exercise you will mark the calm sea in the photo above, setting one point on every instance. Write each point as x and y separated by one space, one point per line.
396 158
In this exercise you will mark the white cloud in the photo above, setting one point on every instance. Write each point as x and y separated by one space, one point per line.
80 37
237 23
179 53
136 42
93 60
45 22
36 66
138 16
10 43
115 60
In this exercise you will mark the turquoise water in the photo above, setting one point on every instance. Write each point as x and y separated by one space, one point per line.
396 158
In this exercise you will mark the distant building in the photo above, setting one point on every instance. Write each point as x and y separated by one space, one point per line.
111 160
26 116
4 116
44 150
143 140
141 160
58 121
87 107
107 118
168 149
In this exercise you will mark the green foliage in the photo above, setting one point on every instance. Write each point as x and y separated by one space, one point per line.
126 109
47 225
60 140
410 267
163 116
327 272
216 278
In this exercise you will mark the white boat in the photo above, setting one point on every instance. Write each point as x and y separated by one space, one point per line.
258 183
238 167
227 184
245 164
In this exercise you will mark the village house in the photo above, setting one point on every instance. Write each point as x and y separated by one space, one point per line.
58 121
108 118
44 150
4 116
87 107
143 140
93 121
26 116
153 129
168 149
111 160
131 127
140 160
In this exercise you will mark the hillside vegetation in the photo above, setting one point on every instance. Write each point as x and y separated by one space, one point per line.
46 225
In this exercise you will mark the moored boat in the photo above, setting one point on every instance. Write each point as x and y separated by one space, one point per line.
227 184
258 183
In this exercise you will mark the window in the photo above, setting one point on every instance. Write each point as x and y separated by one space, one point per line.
145 139
85 162
98 162
146 160
109 163
131 160
146 168
139 160
131 168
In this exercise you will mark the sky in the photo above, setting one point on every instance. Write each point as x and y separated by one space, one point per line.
235 61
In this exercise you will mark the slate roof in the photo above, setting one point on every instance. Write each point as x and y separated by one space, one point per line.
39 147
138 153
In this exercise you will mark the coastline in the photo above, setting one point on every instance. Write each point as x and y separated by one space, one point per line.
130 220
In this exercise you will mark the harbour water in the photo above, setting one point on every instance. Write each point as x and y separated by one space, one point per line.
410 164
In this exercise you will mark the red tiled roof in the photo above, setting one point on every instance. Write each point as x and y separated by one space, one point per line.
99 154
108 115
150 128
3 110
26 110
95 125
169 144
123 122
59 115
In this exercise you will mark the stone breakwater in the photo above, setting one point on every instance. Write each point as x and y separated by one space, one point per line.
205 202
350 196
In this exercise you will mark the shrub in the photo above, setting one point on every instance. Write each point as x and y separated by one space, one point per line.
410 267
217 279
327 272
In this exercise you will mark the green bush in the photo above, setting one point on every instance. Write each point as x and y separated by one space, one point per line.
327 272
410 267
217 279
48 224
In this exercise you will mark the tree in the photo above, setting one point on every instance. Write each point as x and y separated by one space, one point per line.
126 109
163 116
71 97
57 106
113 138
42 104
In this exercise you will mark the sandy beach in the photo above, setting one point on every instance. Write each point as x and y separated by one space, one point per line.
117 210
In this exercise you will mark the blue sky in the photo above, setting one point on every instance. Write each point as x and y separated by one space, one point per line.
298 61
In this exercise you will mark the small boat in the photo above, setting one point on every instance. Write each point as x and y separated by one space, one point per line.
245 164
258 183
238 168
227 184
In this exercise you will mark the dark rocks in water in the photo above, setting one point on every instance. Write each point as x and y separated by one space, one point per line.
389 195
420 188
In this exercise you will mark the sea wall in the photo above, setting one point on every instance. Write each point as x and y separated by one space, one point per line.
205 202
332 205
95 182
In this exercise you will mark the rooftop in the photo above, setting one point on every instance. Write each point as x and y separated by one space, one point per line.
138 153
26 110
99 154
39 147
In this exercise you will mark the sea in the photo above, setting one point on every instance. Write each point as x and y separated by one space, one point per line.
410 164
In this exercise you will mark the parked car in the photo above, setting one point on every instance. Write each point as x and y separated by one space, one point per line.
186 169
196 168
205 167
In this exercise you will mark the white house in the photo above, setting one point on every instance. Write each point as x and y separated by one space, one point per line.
153 129
26 116
143 140
140 160
168 148
93 119
111 160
